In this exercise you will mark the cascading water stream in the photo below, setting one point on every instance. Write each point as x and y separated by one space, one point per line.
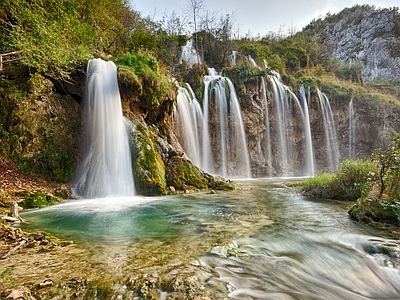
332 147
214 139
238 135
288 116
189 54
206 145
352 130
106 168
189 118
230 154
281 96
309 166
267 151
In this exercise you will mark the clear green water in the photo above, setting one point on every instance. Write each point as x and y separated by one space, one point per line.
263 241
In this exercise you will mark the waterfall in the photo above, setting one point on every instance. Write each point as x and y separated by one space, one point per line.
214 138
282 125
188 114
233 56
267 151
289 117
332 147
189 127
252 62
221 109
106 168
309 165
189 54
352 130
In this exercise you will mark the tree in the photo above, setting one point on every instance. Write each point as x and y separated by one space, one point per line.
388 163
54 36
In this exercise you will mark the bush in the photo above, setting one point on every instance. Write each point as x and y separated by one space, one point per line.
36 199
381 202
319 186
349 183
150 77
353 176
388 163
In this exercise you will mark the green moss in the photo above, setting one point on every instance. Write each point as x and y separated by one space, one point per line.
36 199
148 166
184 175
27 130
219 184
129 83
146 74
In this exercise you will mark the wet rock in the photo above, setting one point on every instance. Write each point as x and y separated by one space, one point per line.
22 293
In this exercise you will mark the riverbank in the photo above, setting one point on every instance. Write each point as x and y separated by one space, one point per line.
16 186
200 246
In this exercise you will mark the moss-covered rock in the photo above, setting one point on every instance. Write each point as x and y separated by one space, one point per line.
36 199
148 166
183 175
129 83
373 210
219 183
39 127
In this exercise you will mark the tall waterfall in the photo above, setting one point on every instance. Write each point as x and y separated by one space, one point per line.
309 168
332 148
352 130
221 109
286 114
189 124
267 151
217 132
106 168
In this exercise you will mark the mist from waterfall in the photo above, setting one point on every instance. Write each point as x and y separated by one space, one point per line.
332 146
106 168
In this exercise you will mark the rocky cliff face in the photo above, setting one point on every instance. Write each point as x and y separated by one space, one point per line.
370 124
39 125
370 38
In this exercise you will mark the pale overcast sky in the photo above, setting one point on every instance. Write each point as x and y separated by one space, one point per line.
259 16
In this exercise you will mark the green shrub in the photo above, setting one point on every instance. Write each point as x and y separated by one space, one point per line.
388 164
319 186
150 77
36 200
353 176
351 180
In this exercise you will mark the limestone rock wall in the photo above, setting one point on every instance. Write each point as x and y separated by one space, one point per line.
374 125
370 38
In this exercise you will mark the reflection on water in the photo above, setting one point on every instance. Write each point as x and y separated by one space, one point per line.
262 241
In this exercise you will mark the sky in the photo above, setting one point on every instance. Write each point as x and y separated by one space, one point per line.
258 17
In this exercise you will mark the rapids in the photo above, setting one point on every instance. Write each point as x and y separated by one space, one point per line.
262 241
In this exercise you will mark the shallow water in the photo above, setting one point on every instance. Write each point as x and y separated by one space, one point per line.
263 241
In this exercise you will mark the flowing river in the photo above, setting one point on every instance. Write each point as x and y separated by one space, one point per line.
262 241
